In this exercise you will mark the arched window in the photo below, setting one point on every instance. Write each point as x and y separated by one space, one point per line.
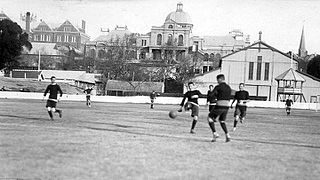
170 39
159 39
101 53
92 53
180 40
170 26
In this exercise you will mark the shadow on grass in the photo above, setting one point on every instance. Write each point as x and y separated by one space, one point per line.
23 117
112 124
278 143
146 134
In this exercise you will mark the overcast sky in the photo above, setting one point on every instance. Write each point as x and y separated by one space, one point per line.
280 21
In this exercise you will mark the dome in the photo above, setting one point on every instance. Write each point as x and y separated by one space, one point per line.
179 16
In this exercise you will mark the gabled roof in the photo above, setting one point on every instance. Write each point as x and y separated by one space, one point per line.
3 16
68 23
89 78
290 75
43 24
262 43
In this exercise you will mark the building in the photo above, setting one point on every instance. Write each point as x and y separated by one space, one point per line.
3 16
258 66
66 33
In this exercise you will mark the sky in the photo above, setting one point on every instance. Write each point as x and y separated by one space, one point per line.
280 21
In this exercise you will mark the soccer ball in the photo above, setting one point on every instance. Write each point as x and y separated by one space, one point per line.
173 114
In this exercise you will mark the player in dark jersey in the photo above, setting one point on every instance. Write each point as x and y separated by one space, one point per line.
211 99
289 102
153 96
88 91
192 95
223 94
53 90
242 97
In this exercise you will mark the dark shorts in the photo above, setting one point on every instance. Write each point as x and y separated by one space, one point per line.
51 104
211 107
194 109
219 111
288 107
152 100
240 111
88 98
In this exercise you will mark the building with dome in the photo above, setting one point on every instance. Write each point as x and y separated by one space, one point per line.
171 39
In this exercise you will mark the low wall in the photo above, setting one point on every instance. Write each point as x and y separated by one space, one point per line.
145 99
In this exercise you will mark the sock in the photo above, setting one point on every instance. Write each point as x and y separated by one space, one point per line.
50 114
194 122
235 123
224 127
211 124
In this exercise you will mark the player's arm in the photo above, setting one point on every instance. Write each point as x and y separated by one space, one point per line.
60 92
46 92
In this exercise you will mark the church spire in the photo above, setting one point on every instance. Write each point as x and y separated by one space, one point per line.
302 48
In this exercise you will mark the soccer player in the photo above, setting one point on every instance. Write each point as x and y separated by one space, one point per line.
152 98
242 97
223 94
289 102
192 95
53 90
88 91
211 99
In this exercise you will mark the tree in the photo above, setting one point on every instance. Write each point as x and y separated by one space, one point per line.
313 67
12 41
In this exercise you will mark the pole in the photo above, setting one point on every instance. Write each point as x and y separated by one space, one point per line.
39 60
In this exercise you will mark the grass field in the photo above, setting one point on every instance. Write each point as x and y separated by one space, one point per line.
131 141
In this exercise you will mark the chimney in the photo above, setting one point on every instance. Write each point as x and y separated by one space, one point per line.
83 26
28 20
260 35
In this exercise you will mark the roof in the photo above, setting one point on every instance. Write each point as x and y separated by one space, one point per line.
221 41
308 75
140 86
3 16
265 44
118 32
59 74
179 16
45 48
89 78
290 75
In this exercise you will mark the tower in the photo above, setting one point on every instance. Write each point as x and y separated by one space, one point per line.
302 52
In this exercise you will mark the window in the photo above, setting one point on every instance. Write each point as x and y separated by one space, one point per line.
41 37
205 69
266 71
66 37
144 42
36 38
67 29
210 68
180 40
170 26
259 63
170 39
58 38
48 38
251 64
197 71
159 39
73 39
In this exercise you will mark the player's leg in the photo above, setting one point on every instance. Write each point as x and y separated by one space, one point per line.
89 101
48 106
152 101
236 117
243 113
222 119
211 119
194 114
55 110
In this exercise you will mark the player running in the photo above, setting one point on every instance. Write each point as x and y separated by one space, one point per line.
192 104
242 97
88 91
223 94
289 102
53 90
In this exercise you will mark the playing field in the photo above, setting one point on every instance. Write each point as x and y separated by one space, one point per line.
131 141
